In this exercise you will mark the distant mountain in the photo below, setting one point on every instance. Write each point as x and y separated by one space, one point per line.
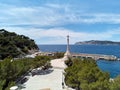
97 42
14 45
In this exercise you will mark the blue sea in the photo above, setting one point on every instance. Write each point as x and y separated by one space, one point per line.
113 67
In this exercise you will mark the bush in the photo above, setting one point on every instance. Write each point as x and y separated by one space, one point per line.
10 70
86 75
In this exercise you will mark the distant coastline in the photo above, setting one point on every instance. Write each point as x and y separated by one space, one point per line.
97 42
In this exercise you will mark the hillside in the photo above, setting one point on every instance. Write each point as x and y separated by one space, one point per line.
14 45
97 42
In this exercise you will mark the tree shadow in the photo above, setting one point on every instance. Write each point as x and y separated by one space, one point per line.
42 71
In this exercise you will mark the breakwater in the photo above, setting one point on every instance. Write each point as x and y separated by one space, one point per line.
95 56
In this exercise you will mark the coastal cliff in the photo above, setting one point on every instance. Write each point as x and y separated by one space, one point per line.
97 42
14 45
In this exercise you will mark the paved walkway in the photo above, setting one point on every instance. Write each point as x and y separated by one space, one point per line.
49 81
58 63
53 81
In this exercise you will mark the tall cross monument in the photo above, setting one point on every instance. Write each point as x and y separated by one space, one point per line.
67 53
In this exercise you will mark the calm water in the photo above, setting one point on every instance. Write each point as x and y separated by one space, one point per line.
113 67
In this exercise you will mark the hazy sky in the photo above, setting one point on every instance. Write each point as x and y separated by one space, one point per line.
49 21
